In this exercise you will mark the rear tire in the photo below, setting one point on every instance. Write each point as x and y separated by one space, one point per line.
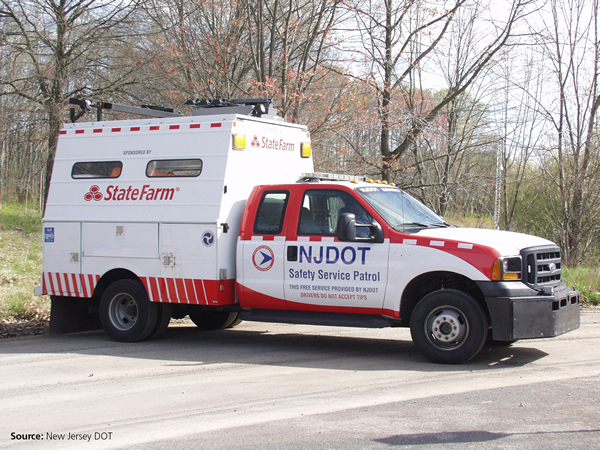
163 319
448 327
213 320
235 323
126 313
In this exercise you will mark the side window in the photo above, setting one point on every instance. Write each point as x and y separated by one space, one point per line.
174 168
321 209
271 213
97 169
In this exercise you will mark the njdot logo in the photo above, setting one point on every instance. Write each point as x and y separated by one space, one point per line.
263 258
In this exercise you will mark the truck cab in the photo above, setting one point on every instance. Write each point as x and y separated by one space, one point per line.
337 249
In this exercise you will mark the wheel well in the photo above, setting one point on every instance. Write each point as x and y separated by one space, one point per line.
110 277
434 281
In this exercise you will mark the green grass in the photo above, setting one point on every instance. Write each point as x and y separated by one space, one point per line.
587 280
20 264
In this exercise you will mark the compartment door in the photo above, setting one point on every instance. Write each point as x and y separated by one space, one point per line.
62 259
188 254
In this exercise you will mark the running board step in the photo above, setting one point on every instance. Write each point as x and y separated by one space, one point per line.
318 318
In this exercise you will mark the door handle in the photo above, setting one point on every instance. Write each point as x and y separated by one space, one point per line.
292 253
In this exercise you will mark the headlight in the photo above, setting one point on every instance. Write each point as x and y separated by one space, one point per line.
507 268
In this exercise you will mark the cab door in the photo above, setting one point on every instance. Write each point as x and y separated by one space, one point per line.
260 281
323 273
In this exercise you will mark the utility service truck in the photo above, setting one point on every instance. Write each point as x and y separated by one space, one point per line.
220 216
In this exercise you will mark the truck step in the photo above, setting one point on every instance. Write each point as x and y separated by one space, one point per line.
318 318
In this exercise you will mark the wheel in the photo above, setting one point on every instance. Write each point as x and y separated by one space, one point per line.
213 320
163 319
448 327
126 313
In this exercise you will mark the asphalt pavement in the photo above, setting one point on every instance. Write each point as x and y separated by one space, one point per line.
277 386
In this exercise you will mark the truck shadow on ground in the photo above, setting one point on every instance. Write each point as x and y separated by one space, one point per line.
334 349
464 437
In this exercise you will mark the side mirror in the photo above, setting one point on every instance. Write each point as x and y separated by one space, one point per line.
376 232
346 227
347 230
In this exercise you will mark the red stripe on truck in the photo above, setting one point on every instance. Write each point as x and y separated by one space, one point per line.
160 289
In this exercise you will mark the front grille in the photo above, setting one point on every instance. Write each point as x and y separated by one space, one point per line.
542 266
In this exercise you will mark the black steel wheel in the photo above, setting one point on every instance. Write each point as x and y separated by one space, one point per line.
126 313
448 327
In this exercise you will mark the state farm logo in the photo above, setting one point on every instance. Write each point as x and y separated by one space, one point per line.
93 194
272 144
129 193
263 258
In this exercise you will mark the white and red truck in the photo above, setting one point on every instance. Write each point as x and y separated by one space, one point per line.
219 216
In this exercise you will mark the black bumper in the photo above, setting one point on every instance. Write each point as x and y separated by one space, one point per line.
517 312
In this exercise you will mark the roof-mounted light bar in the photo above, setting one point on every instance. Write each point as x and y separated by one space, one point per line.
321 176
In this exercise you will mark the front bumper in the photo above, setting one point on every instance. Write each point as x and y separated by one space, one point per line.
517 314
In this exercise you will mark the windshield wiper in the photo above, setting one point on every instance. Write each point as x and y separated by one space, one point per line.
413 224
424 225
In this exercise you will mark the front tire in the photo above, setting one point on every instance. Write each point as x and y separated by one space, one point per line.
448 327
126 313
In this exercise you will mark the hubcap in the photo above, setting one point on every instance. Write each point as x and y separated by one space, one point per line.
123 312
446 328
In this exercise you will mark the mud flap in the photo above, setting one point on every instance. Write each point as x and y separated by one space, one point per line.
72 315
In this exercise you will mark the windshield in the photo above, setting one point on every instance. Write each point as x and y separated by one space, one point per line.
399 209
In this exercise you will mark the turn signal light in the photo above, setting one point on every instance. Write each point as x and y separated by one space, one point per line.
239 141
305 150
507 269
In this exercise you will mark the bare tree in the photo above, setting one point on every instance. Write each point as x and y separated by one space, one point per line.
570 43
197 49
290 43
400 38
269 48
64 49
519 129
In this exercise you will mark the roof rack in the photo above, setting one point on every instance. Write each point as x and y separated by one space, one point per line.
144 110
255 107
251 106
